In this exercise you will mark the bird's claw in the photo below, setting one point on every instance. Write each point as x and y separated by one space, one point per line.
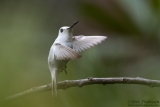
65 71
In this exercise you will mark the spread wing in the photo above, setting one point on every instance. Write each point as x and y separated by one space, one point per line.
81 43
62 52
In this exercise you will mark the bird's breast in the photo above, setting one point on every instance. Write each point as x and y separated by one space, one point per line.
53 62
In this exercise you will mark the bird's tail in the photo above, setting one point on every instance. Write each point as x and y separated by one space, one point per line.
54 82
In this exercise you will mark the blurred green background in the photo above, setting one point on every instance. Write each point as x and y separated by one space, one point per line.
29 27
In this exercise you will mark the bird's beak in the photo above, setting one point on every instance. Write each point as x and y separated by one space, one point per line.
73 24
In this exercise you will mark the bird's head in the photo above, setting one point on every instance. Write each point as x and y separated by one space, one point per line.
67 30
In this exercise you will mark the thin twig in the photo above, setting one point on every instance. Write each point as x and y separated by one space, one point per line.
73 83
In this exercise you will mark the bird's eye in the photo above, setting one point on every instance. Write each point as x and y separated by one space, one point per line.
61 30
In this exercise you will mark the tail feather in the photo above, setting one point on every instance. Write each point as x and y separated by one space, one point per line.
54 83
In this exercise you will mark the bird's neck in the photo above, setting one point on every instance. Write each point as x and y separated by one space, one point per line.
64 38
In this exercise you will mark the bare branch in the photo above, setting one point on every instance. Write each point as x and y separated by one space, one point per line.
73 83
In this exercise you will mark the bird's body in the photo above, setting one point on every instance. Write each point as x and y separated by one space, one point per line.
66 47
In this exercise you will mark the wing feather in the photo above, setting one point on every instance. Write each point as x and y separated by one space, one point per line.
62 52
81 43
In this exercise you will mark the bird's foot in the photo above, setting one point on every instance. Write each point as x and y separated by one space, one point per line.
65 71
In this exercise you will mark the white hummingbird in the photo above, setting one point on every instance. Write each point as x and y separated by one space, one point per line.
66 47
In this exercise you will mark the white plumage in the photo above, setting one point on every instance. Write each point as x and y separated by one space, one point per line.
81 43
66 47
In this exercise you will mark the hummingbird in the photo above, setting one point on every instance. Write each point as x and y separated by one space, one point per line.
66 47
